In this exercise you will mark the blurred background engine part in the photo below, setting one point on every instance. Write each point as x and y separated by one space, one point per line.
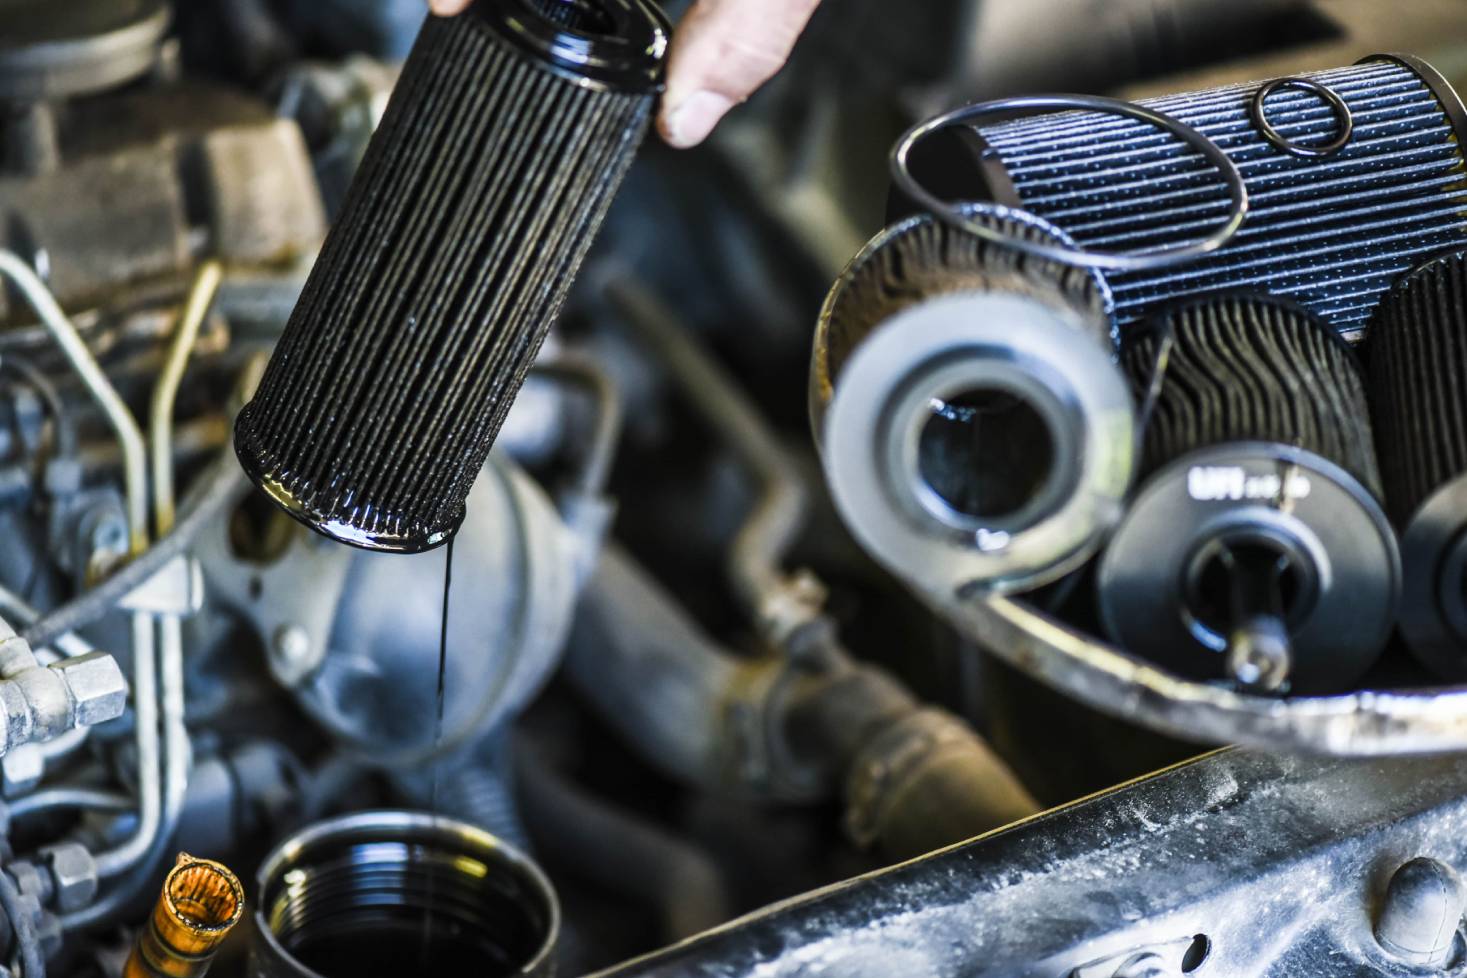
508 135
200 904
1354 176
974 425
1256 549
355 636
357 894
102 193
1418 371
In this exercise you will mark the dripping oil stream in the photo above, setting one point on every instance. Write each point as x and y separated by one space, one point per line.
428 908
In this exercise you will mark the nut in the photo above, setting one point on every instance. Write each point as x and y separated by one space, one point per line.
23 768
73 875
96 685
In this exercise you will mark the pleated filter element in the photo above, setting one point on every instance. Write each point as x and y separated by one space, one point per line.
1256 549
1245 369
974 425
1418 386
509 132
1330 230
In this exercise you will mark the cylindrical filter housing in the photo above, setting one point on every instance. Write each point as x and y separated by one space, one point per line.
1418 380
507 136
1256 549
402 893
974 425
1353 176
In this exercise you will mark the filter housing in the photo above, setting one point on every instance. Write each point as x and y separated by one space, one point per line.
1259 500
974 426
1330 228
508 134
1418 382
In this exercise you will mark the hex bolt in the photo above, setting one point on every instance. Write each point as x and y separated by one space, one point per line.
1418 919
97 687
73 875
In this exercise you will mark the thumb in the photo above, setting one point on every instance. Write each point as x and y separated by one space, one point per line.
447 8
722 52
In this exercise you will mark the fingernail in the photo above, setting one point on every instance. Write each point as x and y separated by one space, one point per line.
690 123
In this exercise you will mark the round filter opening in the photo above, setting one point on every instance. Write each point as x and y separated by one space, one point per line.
1234 576
985 454
204 896
399 893
581 16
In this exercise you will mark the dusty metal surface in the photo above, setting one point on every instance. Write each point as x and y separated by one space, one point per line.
1259 866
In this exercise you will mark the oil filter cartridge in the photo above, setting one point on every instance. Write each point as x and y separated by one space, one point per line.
1418 381
1256 549
1349 177
974 425
508 134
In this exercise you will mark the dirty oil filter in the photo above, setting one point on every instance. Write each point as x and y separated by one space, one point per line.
508 134
1256 549
1418 385
975 427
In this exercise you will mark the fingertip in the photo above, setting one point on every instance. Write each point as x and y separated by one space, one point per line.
447 8
687 123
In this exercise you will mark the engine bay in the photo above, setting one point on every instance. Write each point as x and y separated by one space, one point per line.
939 527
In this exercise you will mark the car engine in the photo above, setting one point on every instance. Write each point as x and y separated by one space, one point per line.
940 528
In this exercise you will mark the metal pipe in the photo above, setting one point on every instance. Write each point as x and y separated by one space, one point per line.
779 602
583 372
54 319
783 728
176 747
165 392
121 858
53 799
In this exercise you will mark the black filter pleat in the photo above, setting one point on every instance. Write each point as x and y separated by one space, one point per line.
1418 381
1418 386
1250 369
509 132
1331 232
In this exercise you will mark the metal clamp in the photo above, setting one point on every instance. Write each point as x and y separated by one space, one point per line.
1124 261
1346 121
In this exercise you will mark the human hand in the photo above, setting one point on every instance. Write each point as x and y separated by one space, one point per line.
722 52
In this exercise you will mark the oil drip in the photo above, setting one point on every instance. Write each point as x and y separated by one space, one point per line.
429 904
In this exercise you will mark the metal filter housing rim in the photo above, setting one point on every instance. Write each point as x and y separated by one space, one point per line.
633 59
823 377
923 346
328 523
1446 95
405 827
